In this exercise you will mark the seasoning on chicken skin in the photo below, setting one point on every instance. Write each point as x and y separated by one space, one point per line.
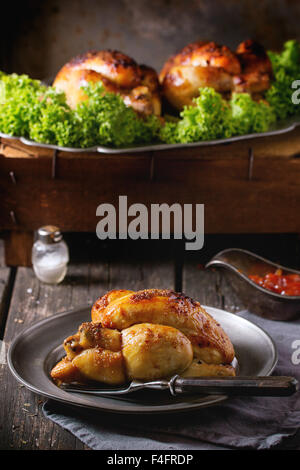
145 335
137 84
256 68
207 64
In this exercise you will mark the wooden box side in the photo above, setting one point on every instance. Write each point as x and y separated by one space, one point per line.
248 186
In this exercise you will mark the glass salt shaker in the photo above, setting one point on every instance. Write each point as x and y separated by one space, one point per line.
50 255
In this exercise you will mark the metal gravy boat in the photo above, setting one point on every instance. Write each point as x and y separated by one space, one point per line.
237 265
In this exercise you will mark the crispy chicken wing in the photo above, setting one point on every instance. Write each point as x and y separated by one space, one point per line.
207 64
145 335
93 353
137 84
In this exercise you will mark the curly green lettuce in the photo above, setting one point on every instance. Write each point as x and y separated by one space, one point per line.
32 110
211 117
54 122
249 116
208 118
106 120
286 69
19 101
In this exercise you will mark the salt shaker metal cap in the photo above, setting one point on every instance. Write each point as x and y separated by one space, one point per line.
49 234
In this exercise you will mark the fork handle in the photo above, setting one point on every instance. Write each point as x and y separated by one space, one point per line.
275 386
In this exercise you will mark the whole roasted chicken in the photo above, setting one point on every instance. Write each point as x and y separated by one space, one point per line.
137 84
145 335
207 64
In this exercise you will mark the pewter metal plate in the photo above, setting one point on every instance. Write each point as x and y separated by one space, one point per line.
35 351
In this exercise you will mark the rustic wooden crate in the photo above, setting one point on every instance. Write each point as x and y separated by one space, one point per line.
251 186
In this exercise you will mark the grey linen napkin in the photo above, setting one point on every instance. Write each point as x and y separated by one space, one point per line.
245 423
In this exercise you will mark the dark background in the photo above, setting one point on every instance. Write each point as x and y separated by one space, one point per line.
38 37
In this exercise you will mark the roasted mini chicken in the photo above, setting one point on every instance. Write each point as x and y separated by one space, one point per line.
137 84
256 69
145 335
207 64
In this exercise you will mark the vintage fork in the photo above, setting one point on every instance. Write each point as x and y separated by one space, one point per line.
276 386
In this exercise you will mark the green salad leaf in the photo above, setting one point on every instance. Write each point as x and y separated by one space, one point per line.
286 69
208 118
32 110
54 122
19 100
106 120
211 117
249 116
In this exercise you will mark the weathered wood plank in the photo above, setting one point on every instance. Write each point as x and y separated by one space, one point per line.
268 202
25 426
107 266
6 278
2 261
18 246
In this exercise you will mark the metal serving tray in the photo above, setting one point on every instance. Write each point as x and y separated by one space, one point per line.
281 127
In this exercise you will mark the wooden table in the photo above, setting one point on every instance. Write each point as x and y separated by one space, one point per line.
95 268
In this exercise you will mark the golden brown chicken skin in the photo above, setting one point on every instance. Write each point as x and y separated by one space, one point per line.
121 309
153 351
256 68
137 84
203 54
145 335
93 353
200 64
207 64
